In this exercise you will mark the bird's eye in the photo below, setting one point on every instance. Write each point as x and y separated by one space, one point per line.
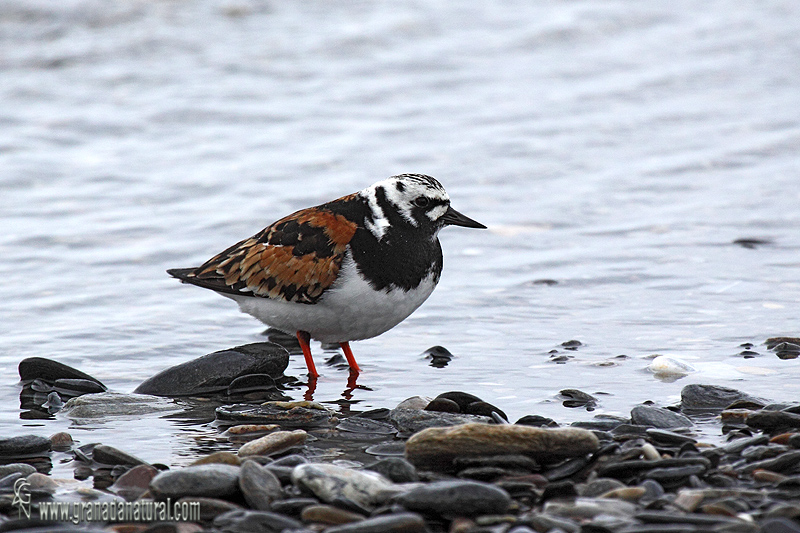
421 201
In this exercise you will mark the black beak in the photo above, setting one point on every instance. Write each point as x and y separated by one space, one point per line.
452 217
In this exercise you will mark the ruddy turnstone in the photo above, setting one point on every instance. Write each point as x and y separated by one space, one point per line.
342 271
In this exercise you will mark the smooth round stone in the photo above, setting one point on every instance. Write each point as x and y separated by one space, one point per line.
462 399
259 486
577 398
356 424
214 481
61 441
588 508
665 366
443 405
658 417
456 498
738 445
698 396
214 372
251 383
245 429
669 477
331 483
485 409
292 506
134 482
281 413
277 442
41 368
390 449
109 455
663 436
244 521
210 508
631 494
221 458
328 514
771 420
24 445
76 387
415 403
396 469
393 523
436 448
782 463
537 421
41 483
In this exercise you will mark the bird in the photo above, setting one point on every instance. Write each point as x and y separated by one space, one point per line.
346 270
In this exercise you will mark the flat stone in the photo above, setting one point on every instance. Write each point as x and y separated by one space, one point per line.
658 417
292 506
244 521
330 483
210 508
627 469
738 445
436 448
393 523
13 468
328 514
414 403
108 455
108 405
456 498
714 397
213 373
41 368
663 436
410 421
273 443
259 486
284 414
214 481
781 464
356 424
588 508
600 486
779 525
41 483
24 445
676 475
244 429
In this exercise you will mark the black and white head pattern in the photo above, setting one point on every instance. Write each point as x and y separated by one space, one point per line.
414 199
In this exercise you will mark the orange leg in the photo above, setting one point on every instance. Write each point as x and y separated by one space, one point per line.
304 337
348 353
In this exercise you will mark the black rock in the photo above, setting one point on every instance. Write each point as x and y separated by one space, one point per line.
439 356
773 420
49 370
658 417
213 373
396 469
463 399
782 464
443 405
484 409
676 475
627 469
537 421
357 424
577 398
559 489
668 438
292 506
712 397
392 523
208 480
737 445
244 521
273 413
23 445
456 498
259 486
251 383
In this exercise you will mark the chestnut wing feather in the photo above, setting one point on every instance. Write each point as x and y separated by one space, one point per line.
295 259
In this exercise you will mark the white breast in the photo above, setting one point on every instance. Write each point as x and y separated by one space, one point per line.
350 310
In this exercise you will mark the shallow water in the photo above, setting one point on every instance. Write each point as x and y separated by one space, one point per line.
615 148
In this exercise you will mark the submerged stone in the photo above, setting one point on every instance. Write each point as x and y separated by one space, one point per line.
286 414
115 404
213 373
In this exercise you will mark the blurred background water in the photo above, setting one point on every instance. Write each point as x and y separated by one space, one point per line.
615 149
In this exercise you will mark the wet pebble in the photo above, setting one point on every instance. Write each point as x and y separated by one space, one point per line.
436 448
134 482
213 373
50 371
246 521
221 458
699 397
285 414
331 483
773 420
216 481
277 442
259 486
13 468
395 469
393 523
409 421
357 424
328 514
658 417
109 455
456 498
112 404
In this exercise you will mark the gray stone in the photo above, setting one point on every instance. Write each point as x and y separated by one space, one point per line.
109 455
436 448
210 480
600 486
393 523
658 417
701 397
134 482
588 508
214 372
244 521
412 421
277 442
22 468
24 445
285 414
456 498
330 483
773 420
107 405
259 486
395 469
779 525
